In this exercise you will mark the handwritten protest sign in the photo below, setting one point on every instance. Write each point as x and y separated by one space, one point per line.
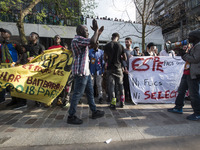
155 79
41 80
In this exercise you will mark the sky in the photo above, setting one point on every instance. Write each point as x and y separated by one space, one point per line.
116 9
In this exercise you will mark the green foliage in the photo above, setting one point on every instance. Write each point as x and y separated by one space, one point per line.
87 7
11 9
67 10
41 15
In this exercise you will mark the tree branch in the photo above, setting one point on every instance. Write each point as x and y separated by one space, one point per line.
29 8
130 35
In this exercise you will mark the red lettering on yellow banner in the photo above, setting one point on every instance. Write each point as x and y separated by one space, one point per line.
44 83
10 77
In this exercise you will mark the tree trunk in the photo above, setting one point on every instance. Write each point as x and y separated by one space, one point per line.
20 26
143 38
20 21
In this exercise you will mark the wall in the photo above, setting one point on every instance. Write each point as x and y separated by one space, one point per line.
43 30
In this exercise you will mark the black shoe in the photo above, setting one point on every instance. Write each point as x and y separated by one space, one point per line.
194 117
2 100
98 114
100 100
13 102
112 106
38 104
122 104
74 120
175 110
20 106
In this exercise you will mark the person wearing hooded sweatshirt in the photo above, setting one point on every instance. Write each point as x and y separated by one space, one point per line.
193 58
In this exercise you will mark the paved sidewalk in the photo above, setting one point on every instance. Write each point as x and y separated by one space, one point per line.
47 126
171 143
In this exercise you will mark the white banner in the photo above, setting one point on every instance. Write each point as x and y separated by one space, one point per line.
155 79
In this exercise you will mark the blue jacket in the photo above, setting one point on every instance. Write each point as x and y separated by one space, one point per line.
12 52
96 62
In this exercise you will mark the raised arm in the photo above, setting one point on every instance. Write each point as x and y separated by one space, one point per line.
97 32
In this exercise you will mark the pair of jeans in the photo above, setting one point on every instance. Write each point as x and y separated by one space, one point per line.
126 86
194 87
183 87
98 80
81 84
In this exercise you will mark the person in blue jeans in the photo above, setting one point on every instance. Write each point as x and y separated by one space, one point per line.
179 103
183 87
193 58
81 72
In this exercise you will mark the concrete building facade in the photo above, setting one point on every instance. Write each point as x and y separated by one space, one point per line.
177 18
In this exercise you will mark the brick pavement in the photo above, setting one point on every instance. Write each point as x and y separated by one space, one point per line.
47 126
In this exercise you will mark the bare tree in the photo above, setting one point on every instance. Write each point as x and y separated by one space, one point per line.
144 9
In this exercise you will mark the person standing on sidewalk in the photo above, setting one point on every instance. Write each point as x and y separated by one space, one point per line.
81 72
8 54
129 52
183 87
97 68
34 48
57 41
20 103
58 99
193 57
68 86
113 55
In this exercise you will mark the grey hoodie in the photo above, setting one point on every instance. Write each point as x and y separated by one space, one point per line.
193 57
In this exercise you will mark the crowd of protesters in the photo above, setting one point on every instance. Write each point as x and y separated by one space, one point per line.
93 66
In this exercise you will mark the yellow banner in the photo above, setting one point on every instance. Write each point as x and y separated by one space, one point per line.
43 79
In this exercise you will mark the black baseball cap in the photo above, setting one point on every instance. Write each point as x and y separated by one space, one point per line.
5 31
